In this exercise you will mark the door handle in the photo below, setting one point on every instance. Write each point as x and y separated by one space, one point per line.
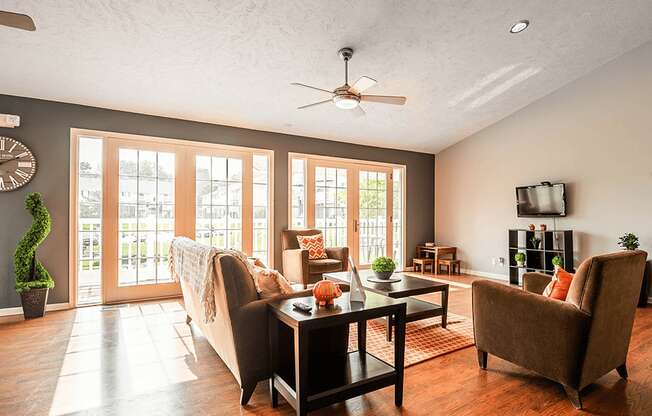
355 226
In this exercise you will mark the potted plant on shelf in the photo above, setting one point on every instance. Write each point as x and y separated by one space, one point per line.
557 261
629 241
383 267
32 279
536 242
520 259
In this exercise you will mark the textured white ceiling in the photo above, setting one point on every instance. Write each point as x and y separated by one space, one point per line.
231 62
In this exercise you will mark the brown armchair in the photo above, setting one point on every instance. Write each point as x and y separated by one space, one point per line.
573 342
298 268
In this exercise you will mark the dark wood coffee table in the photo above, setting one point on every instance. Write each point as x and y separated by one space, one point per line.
329 379
408 286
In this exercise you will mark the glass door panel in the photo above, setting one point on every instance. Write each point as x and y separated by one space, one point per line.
218 201
372 225
331 204
146 204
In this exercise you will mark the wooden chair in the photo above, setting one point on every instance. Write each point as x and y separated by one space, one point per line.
422 263
450 264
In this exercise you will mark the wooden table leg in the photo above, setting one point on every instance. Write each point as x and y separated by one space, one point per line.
301 370
390 325
399 356
273 360
444 305
362 337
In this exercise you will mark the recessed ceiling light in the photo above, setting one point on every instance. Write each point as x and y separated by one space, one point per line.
519 26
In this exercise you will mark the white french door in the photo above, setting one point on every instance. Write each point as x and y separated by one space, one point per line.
142 213
134 194
352 204
374 220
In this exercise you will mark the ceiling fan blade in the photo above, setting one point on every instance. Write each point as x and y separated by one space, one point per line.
362 84
385 99
17 20
311 87
358 111
314 104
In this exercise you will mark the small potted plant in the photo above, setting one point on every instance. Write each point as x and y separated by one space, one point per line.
520 259
32 279
557 261
383 267
536 242
629 241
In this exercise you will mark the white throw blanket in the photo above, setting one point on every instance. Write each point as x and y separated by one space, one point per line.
195 264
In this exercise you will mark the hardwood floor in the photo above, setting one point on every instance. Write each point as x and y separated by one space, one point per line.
142 359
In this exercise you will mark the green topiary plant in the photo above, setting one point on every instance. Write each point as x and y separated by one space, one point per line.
30 273
558 261
519 257
383 265
629 241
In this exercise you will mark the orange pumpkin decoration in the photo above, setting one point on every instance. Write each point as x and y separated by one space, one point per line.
325 292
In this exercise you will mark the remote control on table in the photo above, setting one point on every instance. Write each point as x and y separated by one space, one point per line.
303 307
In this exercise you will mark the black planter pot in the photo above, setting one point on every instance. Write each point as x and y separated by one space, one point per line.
383 275
34 302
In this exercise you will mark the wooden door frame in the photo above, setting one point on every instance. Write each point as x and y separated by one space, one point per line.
184 225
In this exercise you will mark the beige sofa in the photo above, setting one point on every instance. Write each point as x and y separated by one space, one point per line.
573 342
239 333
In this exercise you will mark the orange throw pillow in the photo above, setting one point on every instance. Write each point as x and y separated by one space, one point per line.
314 244
558 287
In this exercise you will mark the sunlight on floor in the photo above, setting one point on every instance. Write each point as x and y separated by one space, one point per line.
149 348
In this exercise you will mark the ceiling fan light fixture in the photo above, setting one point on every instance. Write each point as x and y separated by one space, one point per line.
346 102
519 26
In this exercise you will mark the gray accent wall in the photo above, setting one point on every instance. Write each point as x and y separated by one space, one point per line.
45 129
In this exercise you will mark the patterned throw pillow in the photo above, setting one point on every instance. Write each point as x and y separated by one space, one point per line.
558 287
314 244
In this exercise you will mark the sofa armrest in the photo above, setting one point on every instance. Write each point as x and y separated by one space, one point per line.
295 265
536 282
341 254
543 334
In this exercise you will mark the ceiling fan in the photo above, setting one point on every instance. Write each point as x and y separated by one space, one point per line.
17 20
348 97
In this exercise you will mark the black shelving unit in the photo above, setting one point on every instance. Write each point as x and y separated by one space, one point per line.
539 259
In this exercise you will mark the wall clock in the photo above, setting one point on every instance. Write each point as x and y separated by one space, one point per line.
17 164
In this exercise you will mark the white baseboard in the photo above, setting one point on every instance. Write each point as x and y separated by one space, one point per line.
496 276
48 308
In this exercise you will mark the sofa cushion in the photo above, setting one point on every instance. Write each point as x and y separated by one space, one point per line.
324 266
270 283
559 285
314 244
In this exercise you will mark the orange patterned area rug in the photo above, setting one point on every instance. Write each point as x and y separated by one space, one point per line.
424 339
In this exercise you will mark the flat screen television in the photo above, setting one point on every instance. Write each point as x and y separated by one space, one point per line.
545 200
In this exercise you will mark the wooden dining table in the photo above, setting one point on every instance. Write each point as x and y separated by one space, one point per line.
436 252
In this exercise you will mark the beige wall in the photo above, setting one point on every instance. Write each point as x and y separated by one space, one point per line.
594 134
